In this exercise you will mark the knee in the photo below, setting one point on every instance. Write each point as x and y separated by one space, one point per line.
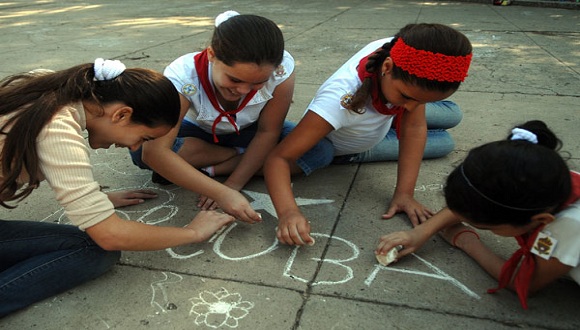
102 260
442 114
320 156
137 158
439 144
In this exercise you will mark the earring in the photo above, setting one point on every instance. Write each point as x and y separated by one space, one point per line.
383 74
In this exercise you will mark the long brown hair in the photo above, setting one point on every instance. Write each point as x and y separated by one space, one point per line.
31 100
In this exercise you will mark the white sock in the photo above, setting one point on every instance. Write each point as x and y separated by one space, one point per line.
240 150
209 170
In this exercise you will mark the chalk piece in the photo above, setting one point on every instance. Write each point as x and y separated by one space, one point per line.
388 258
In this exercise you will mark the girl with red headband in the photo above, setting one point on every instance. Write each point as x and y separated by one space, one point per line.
235 95
355 108
519 187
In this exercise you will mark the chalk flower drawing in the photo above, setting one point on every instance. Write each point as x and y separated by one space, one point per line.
219 309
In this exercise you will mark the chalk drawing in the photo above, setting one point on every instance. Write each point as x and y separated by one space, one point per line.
348 273
160 209
218 243
438 274
429 187
219 309
262 201
159 299
163 209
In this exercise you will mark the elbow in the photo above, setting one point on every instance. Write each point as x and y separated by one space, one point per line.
108 242
106 234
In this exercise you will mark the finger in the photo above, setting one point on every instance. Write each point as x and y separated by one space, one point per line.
142 195
213 205
390 212
145 192
422 218
304 232
200 201
252 215
413 218
386 244
300 234
283 237
205 203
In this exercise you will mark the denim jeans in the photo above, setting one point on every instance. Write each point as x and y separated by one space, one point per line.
39 260
440 116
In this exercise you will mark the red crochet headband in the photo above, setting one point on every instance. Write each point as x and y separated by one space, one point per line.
429 65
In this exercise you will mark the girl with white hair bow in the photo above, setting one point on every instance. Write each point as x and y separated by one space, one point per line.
522 188
235 95
43 119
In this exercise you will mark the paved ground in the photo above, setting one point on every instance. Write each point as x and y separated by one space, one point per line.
525 66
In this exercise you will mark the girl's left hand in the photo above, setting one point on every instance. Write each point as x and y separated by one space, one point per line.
416 211
130 197
206 204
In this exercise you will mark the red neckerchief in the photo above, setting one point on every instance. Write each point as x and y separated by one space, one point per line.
527 266
377 101
201 67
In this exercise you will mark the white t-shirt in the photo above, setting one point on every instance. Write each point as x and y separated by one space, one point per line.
353 133
183 75
566 229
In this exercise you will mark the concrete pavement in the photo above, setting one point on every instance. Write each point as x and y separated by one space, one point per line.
526 65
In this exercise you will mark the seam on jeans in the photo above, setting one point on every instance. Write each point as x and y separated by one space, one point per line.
40 266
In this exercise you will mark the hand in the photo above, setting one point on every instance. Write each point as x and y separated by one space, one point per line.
235 204
410 240
205 203
130 197
416 212
294 229
206 223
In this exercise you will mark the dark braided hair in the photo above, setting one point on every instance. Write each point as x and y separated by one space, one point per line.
436 38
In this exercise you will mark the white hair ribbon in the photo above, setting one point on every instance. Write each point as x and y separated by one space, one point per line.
108 69
226 15
522 134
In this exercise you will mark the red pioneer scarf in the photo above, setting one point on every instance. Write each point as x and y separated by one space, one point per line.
376 94
201 67
527 266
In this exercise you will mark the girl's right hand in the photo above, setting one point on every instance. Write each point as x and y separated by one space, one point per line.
206 223
410 240
294 230
235 204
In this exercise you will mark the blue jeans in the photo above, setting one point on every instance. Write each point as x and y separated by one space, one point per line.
39 260
440 116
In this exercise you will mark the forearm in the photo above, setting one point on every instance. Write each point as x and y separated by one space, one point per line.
278 181
117 234
410 155
436 223
481 254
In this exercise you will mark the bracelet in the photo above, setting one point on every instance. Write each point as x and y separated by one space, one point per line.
454 239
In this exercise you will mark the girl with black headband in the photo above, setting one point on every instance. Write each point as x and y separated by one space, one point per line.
519 187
